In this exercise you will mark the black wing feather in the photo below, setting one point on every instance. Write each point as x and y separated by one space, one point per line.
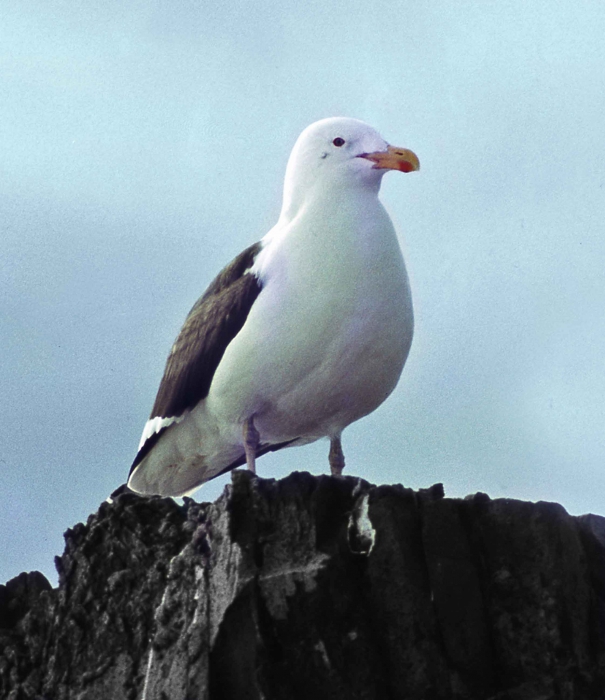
215 319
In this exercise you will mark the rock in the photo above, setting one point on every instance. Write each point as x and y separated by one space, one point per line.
314 587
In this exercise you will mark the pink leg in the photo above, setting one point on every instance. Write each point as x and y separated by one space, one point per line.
251 440
336 457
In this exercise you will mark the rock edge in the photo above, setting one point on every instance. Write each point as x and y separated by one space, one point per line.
314 587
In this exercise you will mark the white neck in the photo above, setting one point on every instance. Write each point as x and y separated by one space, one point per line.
355 193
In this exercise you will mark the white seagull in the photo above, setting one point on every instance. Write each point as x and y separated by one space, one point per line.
302 334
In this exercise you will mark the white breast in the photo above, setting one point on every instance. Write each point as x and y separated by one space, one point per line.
327 338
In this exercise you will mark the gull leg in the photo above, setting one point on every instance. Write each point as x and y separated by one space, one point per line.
336 457
251 440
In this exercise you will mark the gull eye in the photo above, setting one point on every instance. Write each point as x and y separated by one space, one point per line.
338 142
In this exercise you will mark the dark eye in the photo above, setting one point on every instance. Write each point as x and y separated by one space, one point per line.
338 142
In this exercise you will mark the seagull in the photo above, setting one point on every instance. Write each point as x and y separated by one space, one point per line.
303 333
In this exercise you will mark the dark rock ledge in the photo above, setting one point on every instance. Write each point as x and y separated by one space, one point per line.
310 588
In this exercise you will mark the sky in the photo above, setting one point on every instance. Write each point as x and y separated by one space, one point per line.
143 145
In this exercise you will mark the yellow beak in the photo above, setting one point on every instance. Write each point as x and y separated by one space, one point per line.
394 158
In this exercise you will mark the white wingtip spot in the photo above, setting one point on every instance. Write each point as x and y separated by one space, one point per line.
154 425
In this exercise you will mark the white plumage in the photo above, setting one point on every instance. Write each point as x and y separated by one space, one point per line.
323 323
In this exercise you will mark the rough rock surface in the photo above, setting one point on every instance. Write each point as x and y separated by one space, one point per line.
314 587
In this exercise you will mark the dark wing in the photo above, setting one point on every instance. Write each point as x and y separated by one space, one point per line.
213 322
215 319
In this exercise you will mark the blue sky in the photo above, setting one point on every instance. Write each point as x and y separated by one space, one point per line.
144 145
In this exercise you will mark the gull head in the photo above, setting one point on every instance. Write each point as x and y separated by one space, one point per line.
337 154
